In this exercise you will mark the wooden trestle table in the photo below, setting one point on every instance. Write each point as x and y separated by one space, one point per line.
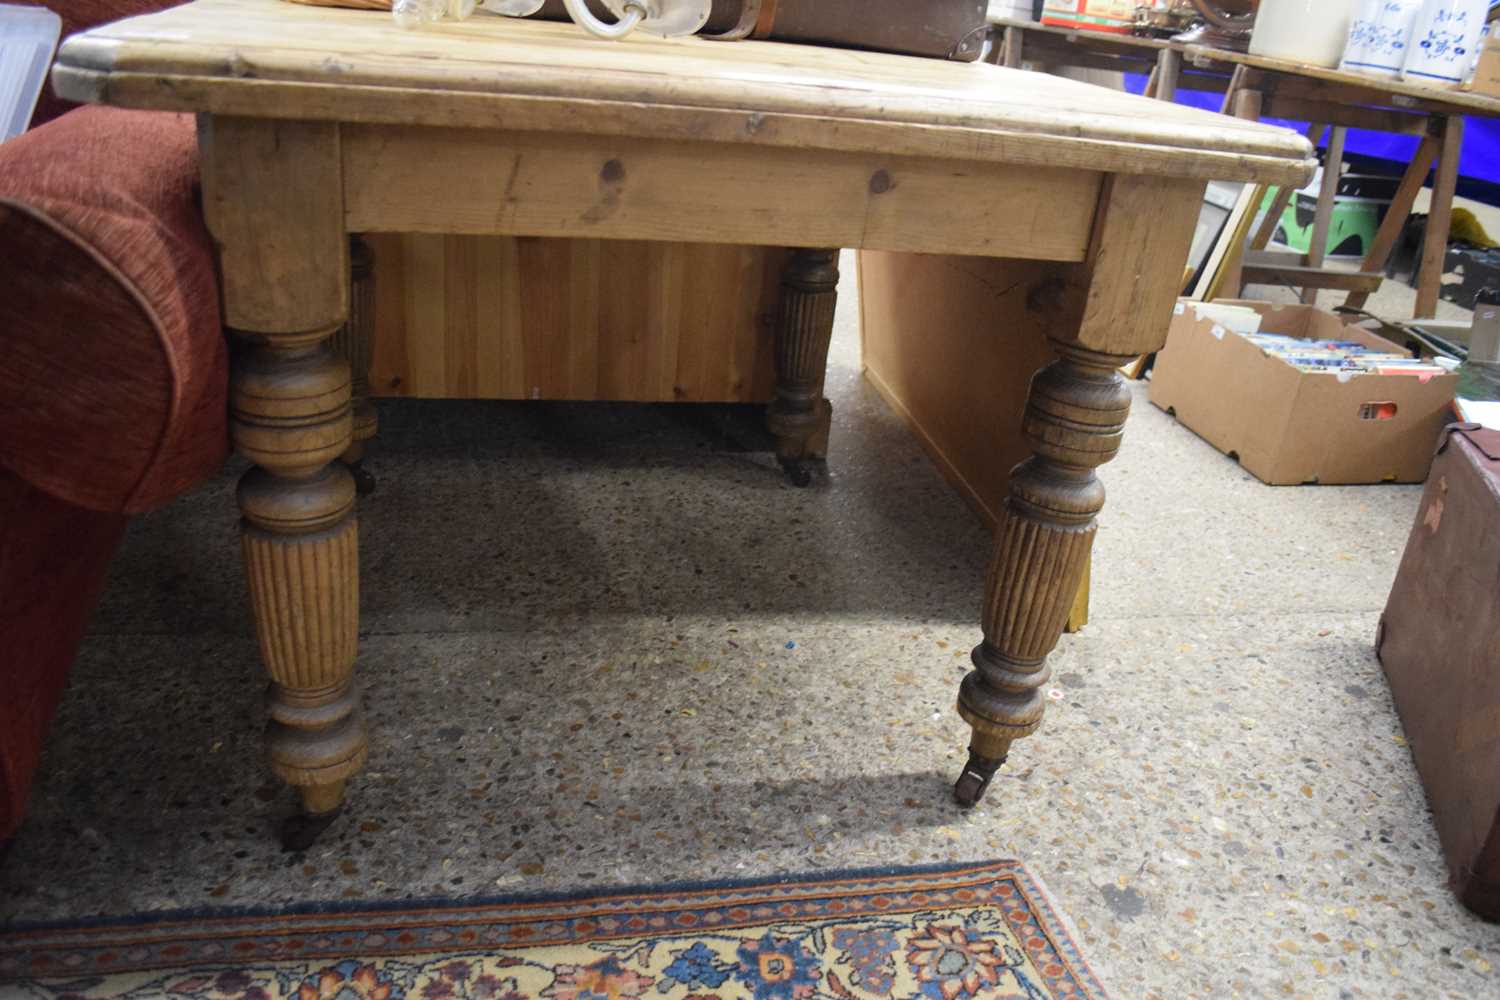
1334 101
316 123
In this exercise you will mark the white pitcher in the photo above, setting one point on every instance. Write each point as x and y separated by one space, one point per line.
1378 37
1304 31
1443 41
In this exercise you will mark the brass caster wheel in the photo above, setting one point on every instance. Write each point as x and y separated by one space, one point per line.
975 780
798 472
364 479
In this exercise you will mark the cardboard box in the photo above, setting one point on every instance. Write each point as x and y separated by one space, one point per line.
1487 74
1287 426
1116 16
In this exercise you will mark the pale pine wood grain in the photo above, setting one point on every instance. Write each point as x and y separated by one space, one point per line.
271 58
534 184
952 344
1131 278
507 318
272 192
354 125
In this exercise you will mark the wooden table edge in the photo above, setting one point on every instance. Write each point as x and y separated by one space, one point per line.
369 105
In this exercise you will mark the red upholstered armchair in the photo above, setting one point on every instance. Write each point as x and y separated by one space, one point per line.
113 375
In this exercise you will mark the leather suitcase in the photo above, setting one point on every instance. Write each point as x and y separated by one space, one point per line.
1439 643
939 29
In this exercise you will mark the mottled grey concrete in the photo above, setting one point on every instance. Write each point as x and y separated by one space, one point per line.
607 644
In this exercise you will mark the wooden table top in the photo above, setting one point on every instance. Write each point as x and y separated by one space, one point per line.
268 58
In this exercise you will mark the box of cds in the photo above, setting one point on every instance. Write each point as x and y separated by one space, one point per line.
1297 395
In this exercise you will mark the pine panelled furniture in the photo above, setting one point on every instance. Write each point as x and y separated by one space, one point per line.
316 123
516 317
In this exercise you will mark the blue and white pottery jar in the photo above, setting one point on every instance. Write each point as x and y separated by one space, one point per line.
1378 37
1443 41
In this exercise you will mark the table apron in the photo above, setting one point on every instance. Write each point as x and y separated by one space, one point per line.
491 182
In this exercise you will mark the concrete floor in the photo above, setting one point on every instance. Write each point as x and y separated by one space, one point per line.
607 644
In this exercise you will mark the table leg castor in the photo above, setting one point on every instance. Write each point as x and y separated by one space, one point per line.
798 471
300 831
975 779
973 782
364 480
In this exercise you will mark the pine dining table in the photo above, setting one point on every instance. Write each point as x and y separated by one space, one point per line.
316 123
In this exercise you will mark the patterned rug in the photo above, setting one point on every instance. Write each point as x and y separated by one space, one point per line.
949 933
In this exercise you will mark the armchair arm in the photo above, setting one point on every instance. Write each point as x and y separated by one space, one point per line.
113 366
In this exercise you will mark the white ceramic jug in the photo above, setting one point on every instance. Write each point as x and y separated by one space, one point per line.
1304 31
1443 41
1379 35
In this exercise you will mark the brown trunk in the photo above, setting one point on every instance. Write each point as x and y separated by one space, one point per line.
944 29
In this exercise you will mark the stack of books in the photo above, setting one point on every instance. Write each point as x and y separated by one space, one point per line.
1336 357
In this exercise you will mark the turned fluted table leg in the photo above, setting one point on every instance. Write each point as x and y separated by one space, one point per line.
1074 420
273 201
353 342
1099 314
292 417
799 416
